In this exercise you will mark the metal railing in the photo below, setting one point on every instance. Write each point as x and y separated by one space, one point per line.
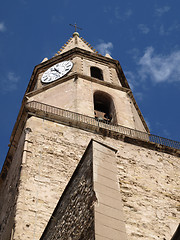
76 118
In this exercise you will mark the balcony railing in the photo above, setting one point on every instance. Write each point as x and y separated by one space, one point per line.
83 120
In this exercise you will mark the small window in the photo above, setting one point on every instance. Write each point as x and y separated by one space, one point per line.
96 73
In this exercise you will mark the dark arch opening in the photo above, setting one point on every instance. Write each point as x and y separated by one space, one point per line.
96 73
104 109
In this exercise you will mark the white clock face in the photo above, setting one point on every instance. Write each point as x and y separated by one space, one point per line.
57 71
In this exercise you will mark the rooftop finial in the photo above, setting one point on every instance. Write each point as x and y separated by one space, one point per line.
76 27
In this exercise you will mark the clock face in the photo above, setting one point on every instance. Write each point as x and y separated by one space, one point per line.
57 71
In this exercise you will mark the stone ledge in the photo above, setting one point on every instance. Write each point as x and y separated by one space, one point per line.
90 128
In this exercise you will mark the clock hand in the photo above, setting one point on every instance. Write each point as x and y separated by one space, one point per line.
57 70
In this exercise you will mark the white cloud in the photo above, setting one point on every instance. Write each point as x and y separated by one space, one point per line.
104 48
143 28
162 10
160 68
9 83
2 27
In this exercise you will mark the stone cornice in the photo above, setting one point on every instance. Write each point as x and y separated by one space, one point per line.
76 76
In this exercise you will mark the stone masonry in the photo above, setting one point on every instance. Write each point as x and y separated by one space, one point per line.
90 207
148 179
73 217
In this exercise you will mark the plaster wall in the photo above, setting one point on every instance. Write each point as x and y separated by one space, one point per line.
137 122
148 181
77 95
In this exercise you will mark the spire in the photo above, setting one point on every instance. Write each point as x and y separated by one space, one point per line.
76 41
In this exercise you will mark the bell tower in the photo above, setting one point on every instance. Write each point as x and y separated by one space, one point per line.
89 83
72 98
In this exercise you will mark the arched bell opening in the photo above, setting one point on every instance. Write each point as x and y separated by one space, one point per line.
96 73
104 109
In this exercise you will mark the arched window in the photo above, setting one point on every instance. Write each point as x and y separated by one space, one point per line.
104 109
96 73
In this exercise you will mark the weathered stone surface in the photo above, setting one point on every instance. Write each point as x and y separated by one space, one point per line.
109 219
8 193
73 217
83 212
149 181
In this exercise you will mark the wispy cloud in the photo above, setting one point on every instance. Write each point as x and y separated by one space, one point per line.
160 68
123 15
133 83
2 27
9 83
143 28
166 133
107 9
131 79
57 19
128 13
25 2
139 95
163 31
134 53
160 11
104 48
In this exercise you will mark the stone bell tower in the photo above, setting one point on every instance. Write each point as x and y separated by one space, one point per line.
78 110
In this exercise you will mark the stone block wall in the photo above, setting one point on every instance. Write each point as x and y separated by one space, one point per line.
8 193
149 181
73 217
90 207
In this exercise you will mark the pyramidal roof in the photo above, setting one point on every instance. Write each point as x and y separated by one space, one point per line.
76 41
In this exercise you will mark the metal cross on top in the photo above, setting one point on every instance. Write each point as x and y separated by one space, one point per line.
75 26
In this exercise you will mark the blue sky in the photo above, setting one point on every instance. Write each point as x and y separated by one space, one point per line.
142 35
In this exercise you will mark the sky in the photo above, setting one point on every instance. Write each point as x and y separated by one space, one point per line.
142 35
